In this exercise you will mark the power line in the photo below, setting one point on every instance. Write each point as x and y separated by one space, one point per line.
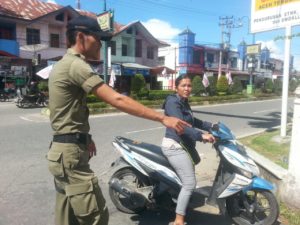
171 6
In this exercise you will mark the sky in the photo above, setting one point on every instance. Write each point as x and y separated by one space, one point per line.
165 19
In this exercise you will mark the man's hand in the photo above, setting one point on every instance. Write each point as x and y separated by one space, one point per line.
208 138
92 149
175 123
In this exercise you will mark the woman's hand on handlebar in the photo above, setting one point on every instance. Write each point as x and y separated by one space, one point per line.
208 138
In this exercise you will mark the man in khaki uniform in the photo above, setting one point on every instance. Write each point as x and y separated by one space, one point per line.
79 199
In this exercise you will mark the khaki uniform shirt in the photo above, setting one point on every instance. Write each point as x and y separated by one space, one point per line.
71 79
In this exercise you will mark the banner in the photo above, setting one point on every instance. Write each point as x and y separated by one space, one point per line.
205 80
274 14
229 79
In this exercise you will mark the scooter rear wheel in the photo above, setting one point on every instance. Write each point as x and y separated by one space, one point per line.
263 205
133 180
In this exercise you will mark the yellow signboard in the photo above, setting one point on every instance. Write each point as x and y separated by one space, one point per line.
104 21
274 14
253 49
266 4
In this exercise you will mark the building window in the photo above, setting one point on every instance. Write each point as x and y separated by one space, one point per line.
233 62
54 40
210 58
150 52
124 50
6 33
33 36
112 45
161 60
60 17
129 30
196 57
138 48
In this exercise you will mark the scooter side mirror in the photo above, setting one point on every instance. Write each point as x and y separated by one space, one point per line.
215 127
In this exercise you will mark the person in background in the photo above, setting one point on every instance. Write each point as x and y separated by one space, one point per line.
33 89
180 148
79 199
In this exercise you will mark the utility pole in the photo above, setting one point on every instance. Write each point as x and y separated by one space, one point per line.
226 23
78 4
175 64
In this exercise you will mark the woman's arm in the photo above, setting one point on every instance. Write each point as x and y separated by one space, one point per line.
203 125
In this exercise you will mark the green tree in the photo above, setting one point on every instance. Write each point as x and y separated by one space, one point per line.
277 87
222 85
137 83
197 86
212 87
43 86
237 86
269 86
293 85
138 87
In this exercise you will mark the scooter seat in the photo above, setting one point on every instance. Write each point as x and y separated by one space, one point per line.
150 151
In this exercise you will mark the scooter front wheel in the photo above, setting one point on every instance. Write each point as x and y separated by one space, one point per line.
253 208
133 180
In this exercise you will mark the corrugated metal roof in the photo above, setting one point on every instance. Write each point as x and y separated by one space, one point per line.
26 9
32 9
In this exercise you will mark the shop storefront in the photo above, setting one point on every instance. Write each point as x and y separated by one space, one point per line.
14 72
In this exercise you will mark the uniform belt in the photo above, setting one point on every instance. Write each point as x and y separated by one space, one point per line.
74 138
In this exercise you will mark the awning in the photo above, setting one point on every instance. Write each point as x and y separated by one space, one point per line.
161 70
4 53
135 66
130 69
34 47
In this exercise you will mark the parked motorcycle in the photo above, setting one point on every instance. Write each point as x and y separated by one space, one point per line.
4 96
143 178
37 100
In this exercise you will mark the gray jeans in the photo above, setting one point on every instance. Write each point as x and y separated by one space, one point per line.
183 166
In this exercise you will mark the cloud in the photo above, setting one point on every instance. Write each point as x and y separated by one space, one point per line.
162 30
51 1
275 50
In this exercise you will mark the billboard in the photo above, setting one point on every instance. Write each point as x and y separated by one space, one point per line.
274 14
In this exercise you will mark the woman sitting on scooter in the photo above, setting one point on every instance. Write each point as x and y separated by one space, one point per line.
180 148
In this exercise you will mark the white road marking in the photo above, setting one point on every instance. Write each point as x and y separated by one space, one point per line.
26 119
35 118
263 111
145 130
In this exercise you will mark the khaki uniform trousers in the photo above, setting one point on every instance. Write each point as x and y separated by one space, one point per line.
79 200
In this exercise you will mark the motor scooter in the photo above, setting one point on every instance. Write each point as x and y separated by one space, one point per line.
143 178
36 100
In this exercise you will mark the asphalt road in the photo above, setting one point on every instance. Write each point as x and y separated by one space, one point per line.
26 187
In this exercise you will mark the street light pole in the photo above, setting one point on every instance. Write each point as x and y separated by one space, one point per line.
240 23
105 51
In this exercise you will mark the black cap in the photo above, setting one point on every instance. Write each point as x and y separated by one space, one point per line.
88 25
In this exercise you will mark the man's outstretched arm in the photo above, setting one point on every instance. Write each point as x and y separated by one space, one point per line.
133 107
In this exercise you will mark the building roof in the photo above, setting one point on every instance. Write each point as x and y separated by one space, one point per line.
187 31
26 9
33 9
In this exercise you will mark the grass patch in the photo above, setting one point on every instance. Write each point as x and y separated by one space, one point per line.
289 216
265 145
